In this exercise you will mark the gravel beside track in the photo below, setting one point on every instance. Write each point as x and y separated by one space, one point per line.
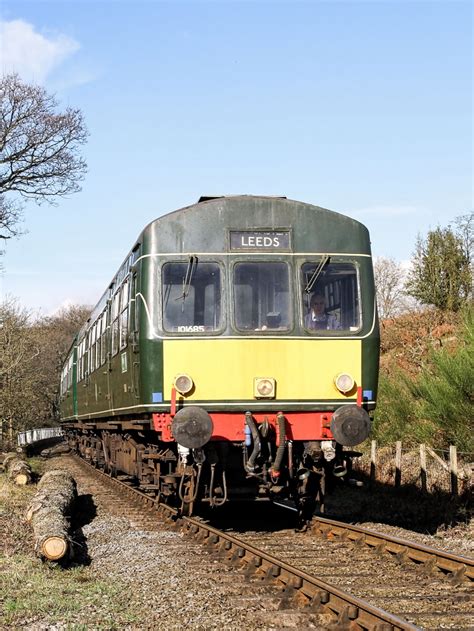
459 540
173 581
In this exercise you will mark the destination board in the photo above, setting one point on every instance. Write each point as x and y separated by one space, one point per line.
260 240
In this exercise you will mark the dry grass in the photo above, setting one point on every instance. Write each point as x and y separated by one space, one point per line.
407 341
15 534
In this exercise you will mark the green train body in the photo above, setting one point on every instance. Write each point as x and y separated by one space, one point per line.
207 348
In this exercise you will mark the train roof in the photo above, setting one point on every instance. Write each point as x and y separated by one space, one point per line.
204 226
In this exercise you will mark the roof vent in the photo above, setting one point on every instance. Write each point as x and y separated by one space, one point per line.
206 198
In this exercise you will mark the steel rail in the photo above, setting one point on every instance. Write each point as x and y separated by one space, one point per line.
457 566
311 592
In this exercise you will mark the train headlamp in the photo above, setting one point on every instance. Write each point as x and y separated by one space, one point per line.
344 382
183 383
264 388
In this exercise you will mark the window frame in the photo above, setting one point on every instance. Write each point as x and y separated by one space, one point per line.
115 323
292 310
301 298
124 336
222 289
103 346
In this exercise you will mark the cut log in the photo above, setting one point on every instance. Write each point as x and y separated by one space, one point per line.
49 514
17 469
58 450
6 457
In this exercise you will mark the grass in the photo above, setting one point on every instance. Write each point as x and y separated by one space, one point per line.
34 592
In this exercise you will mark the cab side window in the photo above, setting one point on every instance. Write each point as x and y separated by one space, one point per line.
191 296
330 295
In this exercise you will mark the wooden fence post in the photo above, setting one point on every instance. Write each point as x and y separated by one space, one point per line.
453 469
423 467
398 463
373 460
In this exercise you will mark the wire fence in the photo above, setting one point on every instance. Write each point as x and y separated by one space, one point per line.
427 468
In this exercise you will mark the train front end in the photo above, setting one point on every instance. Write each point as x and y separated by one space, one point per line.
261 348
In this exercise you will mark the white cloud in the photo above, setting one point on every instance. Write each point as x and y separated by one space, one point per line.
29 53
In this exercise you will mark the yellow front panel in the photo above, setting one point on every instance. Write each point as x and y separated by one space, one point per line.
224 369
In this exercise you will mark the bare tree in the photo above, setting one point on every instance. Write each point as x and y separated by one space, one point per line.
10 217
31 355
39 149
17 353
56 334
389 284
464 225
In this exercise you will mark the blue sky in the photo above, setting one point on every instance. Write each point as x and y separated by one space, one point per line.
361 107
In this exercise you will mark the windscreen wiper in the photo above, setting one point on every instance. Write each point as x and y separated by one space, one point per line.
192 264
315 275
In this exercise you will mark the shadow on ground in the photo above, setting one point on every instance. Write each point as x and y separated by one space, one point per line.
83 513
404 507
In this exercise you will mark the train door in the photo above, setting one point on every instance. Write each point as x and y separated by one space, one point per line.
107 349
74 379
126 339
133 346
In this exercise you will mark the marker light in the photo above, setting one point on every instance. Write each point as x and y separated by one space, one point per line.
264 388
344 382
183 383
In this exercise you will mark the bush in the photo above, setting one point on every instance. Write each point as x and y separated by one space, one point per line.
436 406
445 391
396 417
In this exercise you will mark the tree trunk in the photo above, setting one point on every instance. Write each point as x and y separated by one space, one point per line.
58 450
49 514
17 469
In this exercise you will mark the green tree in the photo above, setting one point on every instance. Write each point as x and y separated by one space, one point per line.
441 273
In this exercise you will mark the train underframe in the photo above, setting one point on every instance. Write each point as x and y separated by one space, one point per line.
265 465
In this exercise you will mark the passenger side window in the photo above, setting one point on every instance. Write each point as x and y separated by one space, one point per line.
103 347
115 323
124 315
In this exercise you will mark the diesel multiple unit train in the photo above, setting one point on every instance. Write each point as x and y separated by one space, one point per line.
233 355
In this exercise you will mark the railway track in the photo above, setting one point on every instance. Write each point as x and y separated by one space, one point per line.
422 593
345 577
455 567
